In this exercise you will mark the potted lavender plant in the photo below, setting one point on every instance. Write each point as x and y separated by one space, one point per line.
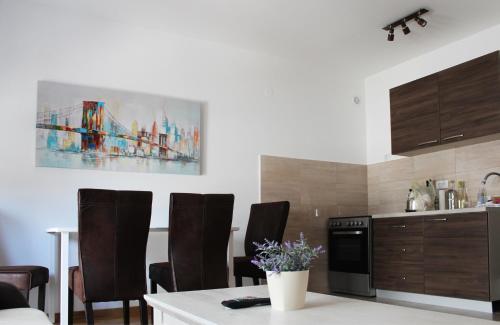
287 270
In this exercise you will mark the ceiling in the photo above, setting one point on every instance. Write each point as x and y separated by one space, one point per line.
345 32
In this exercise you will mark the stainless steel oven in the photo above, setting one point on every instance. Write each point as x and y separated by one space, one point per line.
350 255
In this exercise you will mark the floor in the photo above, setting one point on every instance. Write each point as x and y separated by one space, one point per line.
469 313
109 317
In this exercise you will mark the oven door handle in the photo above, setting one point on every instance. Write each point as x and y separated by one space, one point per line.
357 232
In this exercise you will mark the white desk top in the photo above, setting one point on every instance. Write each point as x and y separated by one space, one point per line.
204 307
55 230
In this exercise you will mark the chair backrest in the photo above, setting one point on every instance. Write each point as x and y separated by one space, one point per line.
267 221
113 228
199 228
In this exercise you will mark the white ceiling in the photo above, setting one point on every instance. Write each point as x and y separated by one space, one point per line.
345 32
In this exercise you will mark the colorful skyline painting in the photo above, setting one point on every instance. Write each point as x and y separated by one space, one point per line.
98 128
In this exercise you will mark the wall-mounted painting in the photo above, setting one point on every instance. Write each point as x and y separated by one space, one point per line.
105 129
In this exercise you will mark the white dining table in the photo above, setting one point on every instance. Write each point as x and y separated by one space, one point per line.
62 236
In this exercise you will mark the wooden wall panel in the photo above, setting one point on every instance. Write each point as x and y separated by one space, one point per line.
335 189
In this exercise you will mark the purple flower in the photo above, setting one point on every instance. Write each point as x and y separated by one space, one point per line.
291 256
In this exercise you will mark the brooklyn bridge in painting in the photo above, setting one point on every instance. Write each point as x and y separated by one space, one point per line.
78 128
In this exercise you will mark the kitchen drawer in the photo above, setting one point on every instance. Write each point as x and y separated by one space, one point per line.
397 229
399 277
466 225
464 285
399 252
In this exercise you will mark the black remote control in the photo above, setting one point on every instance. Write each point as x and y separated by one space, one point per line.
246 302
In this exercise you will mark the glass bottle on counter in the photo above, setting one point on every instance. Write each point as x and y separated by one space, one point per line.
451 197
462 196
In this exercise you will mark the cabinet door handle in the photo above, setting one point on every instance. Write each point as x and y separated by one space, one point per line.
403 250
427 142
399 226
403 278
452 137
439 219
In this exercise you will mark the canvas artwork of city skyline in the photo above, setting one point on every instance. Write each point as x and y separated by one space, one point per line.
97 128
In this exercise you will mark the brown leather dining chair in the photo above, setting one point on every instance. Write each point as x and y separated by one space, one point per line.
267 221
25 278
113 229
199 228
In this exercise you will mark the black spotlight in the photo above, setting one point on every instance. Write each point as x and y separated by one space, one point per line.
421 22
406 29
390 37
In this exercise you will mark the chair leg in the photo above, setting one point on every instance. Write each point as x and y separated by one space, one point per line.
89 313
144 311
239 281
70 306
154 287
41 297
256 281
126 312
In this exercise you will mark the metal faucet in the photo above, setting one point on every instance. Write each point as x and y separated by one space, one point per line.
482 196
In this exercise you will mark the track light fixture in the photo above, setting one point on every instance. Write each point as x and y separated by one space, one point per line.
402 23
421 22
406 29
390 37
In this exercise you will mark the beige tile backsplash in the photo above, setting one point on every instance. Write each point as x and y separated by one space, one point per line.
388 182
338 189
335 189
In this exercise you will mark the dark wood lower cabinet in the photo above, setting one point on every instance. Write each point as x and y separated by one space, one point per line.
456 256
445 255
398 258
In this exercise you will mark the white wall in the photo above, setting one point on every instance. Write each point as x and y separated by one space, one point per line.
377 104
255 104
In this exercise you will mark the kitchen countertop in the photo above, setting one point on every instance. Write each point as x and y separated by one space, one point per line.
431 213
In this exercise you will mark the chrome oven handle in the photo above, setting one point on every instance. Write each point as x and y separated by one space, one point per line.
357 232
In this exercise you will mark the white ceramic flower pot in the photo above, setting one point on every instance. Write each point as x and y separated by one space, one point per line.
287 290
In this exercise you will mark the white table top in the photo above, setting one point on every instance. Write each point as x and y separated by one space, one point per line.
204 307
54 230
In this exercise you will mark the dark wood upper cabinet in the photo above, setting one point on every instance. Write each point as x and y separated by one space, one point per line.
415 114
459 103
469 96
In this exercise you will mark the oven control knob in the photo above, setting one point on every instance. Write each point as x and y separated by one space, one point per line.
361 223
